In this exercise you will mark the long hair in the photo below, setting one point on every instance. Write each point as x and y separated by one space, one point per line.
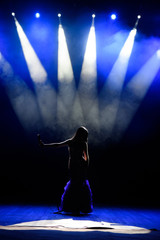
81 134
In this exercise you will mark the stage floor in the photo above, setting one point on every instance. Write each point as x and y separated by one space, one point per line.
37 222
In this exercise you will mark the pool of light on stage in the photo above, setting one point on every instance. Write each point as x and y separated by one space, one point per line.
73 225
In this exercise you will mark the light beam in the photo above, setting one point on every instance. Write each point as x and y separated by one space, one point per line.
117 75
113 87
36 70
65 72
46 96
88 82
66 82
21 97
135 92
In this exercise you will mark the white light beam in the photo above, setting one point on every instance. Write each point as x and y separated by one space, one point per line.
36 70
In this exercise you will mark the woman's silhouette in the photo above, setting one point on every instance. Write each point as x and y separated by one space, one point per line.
77 196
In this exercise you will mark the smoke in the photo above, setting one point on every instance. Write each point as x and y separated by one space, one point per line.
21 97
135 92
106 114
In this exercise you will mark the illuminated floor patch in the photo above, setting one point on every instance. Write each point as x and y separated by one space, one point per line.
76 225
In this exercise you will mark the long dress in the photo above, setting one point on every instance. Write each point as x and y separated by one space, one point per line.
77 196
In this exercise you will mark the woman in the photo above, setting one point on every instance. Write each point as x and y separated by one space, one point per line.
77 196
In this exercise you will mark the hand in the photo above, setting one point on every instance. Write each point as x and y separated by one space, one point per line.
41 144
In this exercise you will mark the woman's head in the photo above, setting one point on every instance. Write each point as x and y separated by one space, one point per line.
81 134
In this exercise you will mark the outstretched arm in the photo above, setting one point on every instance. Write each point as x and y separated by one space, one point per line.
60 144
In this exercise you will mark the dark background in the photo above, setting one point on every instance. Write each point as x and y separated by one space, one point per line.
124 172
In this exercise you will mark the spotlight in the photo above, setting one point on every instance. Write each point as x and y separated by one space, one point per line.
138 18
59 16
37 15
13 14
113 16
93 17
